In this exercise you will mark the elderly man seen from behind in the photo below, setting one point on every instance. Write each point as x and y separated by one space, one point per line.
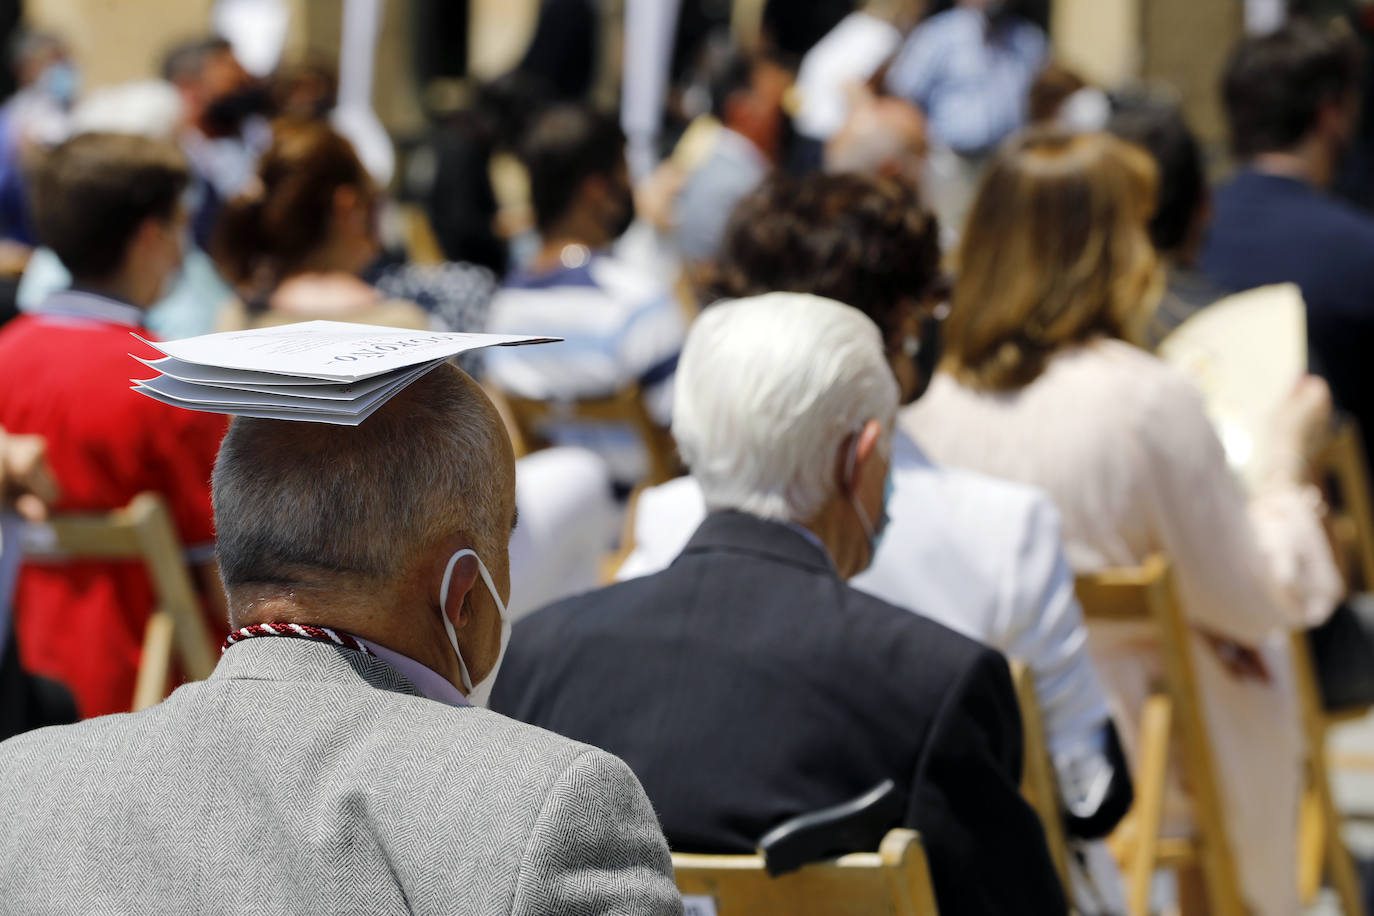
747 684
333 761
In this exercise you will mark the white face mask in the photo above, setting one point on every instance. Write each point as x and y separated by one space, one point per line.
478 694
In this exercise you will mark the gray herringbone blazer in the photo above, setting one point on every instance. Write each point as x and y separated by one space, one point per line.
304 778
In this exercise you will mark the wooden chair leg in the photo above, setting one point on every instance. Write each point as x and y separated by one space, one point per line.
1156 725
1192 891
1311 841
1340 863
154 667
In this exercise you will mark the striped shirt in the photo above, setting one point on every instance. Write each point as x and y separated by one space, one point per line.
619 327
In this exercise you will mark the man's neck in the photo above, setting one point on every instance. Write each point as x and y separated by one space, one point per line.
376 622
341 256
554 245
1306 163
831 527
113 289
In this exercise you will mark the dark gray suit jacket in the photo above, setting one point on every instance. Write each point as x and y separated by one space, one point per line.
306 778
747 684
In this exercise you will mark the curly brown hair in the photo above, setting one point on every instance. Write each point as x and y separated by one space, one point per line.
859 239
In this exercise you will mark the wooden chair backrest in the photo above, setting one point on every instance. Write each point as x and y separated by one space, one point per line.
894 881
1146 594
1038 784
143 531
422 245
1344 461
626 407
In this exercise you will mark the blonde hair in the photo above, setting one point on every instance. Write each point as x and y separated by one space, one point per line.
1056 251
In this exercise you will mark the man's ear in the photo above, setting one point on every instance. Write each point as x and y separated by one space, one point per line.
460 583
591 192
145 239
856 452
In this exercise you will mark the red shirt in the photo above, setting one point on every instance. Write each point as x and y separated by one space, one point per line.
64 375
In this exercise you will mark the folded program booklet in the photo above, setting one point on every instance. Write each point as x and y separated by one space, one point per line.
1245 354
316 371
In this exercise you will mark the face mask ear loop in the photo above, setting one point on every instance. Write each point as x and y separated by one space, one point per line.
849 464
443 606
443 612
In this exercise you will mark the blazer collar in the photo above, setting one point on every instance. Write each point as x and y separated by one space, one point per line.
738 532
280 658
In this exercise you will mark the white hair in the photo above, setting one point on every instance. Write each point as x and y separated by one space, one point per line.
767 390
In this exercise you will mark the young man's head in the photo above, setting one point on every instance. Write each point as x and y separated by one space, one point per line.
110 206
579 183
1183 206
216 92
1293 91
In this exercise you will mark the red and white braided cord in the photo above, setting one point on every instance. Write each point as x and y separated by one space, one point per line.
296 631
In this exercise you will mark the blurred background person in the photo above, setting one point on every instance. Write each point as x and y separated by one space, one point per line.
1291 99
195 293
970 70
27 488
1056 272
304 245
110 206
224 128
882 136
721 157
1182 210
38 115
620 326
847 62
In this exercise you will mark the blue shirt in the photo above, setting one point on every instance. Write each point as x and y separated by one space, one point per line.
1272 229
972 80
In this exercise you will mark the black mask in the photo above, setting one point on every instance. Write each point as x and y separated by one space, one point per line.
625 213
224 116
932 348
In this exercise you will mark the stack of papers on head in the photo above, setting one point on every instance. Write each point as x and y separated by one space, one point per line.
318 371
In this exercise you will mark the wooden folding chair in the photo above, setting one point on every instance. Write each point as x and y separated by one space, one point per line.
626 407
143 531
422 245
1343 463
1321 848
1038 784
1172 714
894 881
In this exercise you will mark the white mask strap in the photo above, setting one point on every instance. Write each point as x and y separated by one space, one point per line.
443 605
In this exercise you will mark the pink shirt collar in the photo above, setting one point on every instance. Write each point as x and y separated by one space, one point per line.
429 682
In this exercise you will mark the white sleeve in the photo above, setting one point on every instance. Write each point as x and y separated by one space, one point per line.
1244 569
1043 626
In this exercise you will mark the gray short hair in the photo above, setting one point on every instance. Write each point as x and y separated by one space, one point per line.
767 390
300 503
